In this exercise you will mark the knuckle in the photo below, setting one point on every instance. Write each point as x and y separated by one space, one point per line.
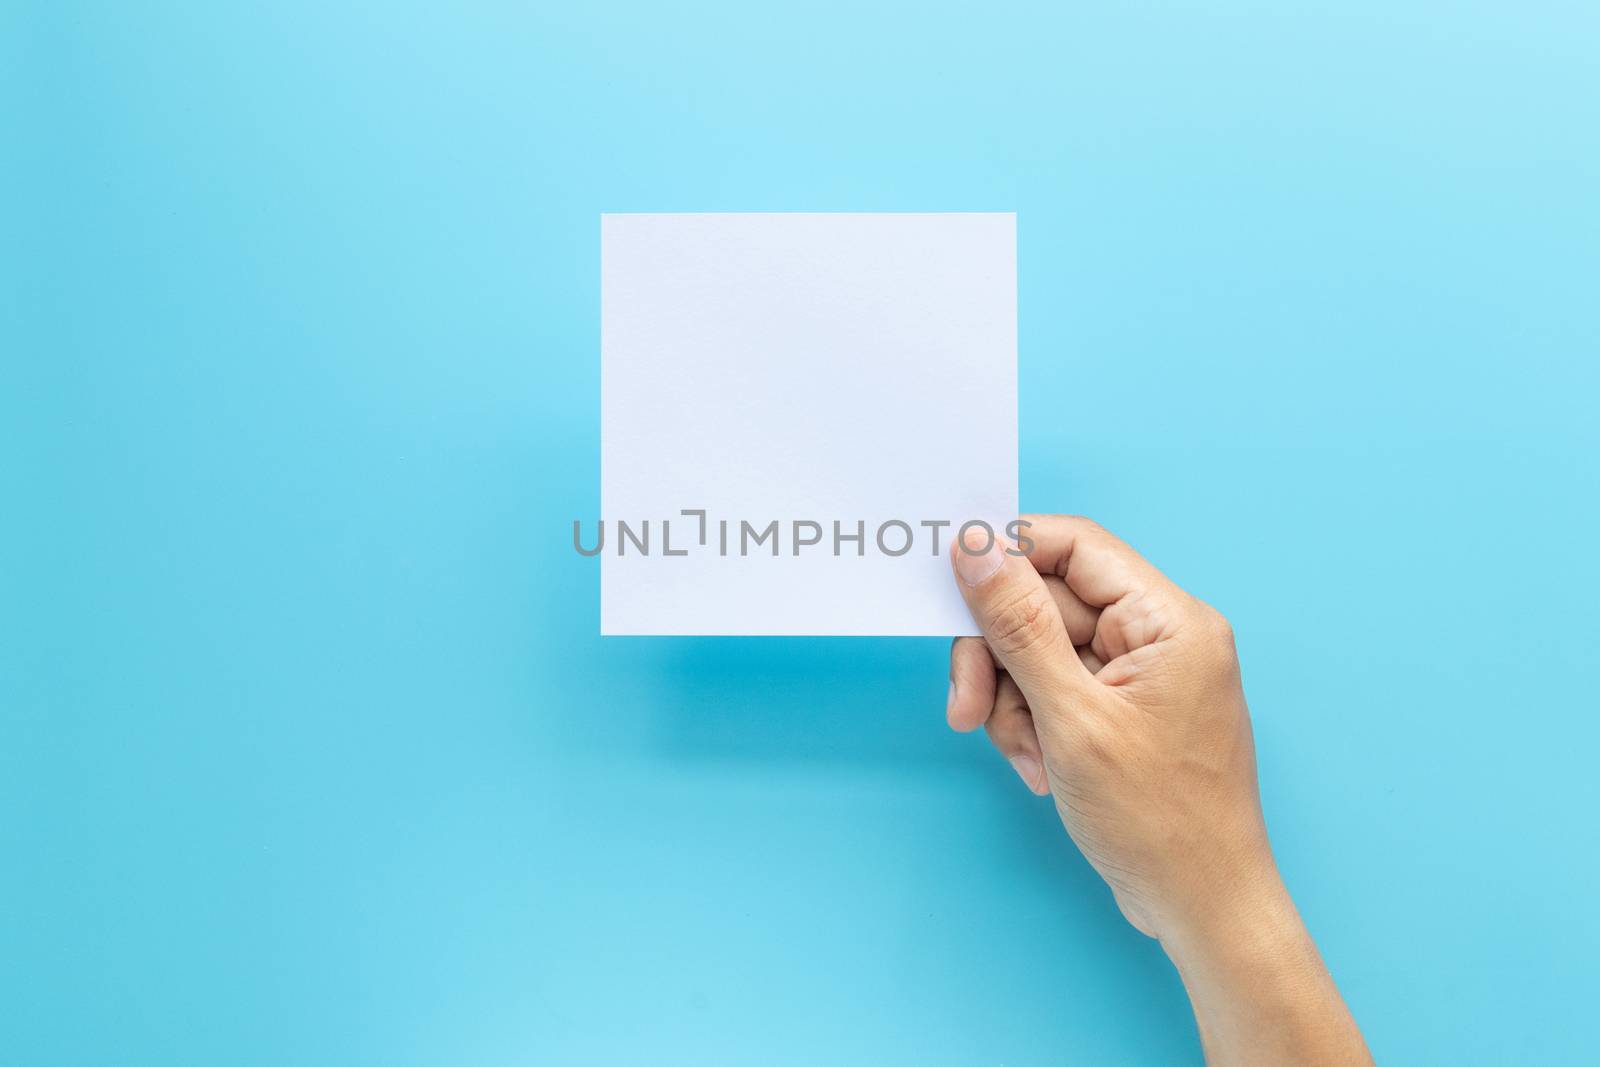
1022 624
1221 628
1215 624
1085 524
1217 648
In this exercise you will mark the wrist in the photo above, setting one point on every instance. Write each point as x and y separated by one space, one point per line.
1244 910
1252 933
1259 988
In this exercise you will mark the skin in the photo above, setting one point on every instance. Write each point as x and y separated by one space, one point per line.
1116 693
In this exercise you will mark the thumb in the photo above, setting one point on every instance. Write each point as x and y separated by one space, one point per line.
1018 616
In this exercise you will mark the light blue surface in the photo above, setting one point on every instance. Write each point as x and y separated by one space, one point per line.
309 751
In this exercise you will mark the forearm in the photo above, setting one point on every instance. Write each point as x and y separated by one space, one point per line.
1260 991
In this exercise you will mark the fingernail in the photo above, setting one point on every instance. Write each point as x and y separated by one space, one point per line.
979 555
1027 769
950 698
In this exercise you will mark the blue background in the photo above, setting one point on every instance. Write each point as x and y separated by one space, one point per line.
310 751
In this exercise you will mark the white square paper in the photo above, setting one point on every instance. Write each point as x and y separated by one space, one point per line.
802 368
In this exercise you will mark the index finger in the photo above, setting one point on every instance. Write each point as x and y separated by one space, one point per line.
1096 565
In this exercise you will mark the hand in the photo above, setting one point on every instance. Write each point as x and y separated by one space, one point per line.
1119 694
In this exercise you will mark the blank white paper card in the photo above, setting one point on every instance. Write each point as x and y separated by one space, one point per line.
798 412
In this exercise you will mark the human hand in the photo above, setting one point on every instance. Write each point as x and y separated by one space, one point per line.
1121 696
1118 693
